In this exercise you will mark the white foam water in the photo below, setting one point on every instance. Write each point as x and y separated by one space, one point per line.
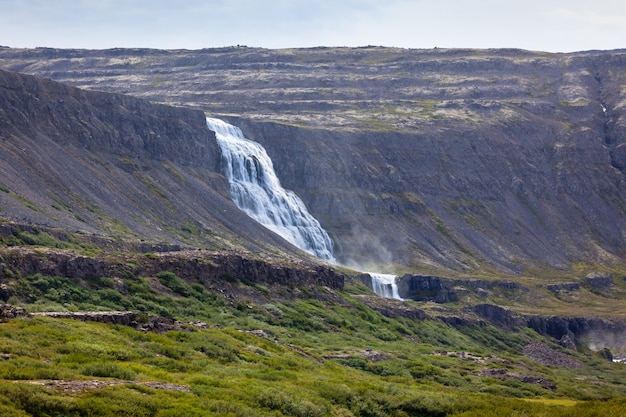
255 189
385 285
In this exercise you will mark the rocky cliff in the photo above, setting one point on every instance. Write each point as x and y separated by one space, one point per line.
212 269
466 159
509 197
116 166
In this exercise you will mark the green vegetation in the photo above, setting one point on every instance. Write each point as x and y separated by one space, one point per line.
25 202
269 351
156 189
37 237
428 109
158 83
313 355
578 102
309 360
173 172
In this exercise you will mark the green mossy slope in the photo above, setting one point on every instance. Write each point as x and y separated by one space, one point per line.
278 350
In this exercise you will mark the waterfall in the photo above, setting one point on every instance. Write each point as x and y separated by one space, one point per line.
384 285
255 189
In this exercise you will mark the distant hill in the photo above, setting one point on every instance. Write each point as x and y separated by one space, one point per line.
411 159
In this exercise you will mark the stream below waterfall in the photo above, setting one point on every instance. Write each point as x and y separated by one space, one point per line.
384 285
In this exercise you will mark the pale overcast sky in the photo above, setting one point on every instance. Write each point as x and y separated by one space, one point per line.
541 25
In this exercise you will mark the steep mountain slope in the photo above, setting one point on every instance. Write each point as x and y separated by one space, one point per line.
116 166
467 159
123 168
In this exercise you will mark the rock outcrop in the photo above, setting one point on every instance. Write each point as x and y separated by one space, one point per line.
563 287
8 312
558 327
599 281
445 290
195 265
596 333
499 316
139 321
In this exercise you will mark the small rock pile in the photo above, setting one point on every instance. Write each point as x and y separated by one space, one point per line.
140 321
8 312
545 355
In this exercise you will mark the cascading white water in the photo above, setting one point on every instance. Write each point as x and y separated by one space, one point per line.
385 285
255 189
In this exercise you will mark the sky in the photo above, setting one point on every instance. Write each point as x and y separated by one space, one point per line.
539 25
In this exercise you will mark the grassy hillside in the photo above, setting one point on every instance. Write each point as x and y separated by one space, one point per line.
245 349
70 368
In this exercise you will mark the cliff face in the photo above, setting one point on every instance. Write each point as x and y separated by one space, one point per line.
208 268
466 159
115 165
510 195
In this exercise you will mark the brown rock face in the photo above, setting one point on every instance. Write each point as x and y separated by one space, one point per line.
196 264
202 266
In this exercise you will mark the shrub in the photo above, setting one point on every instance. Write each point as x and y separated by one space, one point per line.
35 401
424 371
355 362
112 296
287 404
22 369
108 370
174 283
7 411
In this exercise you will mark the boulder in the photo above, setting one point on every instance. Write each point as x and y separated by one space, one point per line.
566 286
599 280
8 312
